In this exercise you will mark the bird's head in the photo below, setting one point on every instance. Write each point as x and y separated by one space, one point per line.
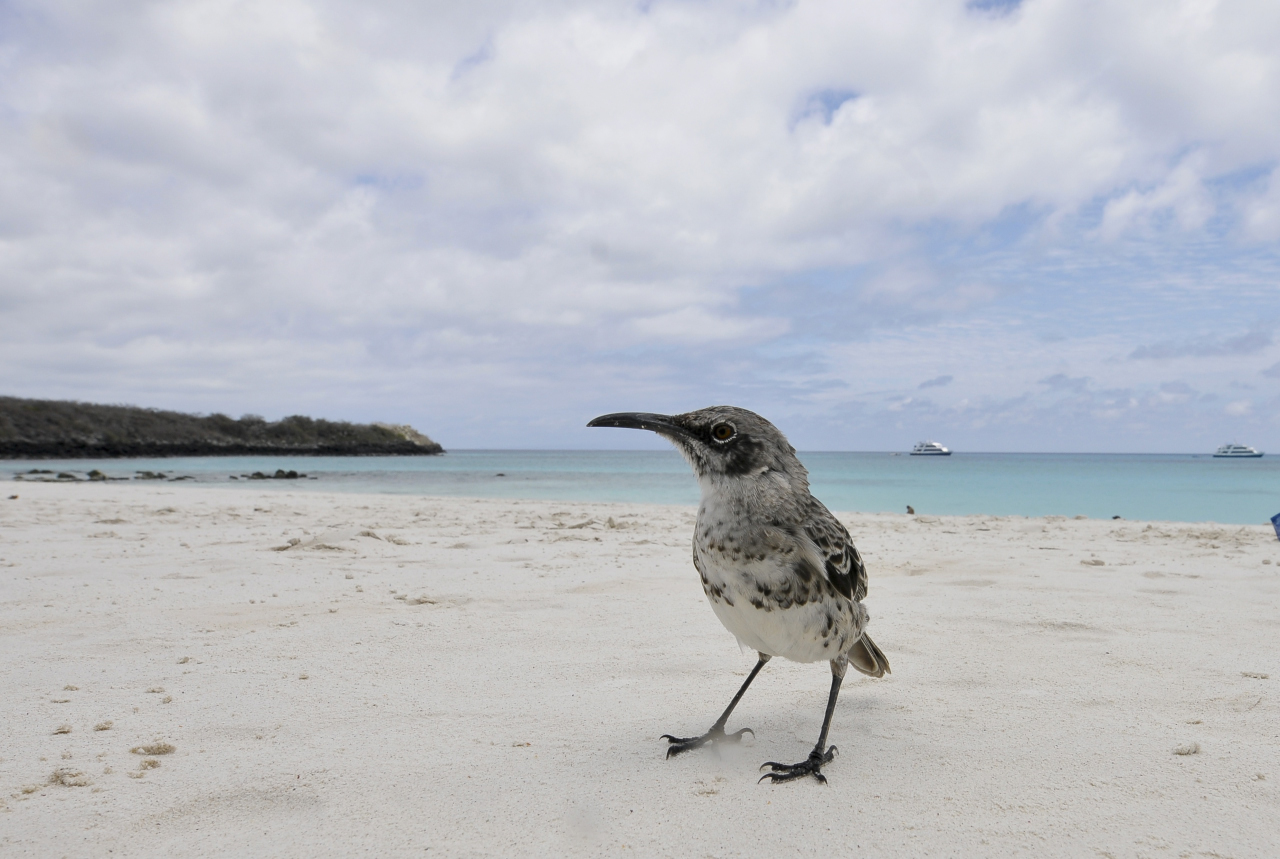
719 441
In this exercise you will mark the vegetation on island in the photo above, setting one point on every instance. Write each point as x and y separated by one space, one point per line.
56 429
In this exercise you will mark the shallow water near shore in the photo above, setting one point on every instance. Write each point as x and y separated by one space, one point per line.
1186 488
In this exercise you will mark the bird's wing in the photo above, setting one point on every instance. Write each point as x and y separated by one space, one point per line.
841 562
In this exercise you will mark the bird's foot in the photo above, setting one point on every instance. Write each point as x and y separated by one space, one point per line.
715 735
789 772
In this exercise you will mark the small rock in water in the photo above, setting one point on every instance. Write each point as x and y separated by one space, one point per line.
280 474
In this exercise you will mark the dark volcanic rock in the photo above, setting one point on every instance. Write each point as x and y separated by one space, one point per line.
51 429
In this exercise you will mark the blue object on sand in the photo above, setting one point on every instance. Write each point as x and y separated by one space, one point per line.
1275 523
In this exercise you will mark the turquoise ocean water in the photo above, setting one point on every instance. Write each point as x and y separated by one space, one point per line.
1188 488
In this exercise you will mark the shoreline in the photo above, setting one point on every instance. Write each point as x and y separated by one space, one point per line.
1137 489
491 676
282 483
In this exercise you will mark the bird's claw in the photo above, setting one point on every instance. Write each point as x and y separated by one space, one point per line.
790 772
715 735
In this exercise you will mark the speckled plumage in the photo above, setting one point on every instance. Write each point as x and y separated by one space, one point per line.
776 586
781 573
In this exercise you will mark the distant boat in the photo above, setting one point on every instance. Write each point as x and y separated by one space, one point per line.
932 448
1236 451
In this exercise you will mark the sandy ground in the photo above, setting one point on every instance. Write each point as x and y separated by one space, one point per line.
422 677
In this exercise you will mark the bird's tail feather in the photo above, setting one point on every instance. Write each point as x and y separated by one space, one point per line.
868 658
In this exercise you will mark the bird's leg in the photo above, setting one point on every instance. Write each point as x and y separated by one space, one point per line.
820 754
717 734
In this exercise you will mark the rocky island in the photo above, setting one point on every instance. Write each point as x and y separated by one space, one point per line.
56 429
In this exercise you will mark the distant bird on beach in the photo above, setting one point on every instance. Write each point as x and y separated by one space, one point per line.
780 571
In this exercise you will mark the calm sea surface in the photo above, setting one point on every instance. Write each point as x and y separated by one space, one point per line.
1187 488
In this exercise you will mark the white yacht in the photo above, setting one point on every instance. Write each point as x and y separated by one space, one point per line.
931 448
1236 451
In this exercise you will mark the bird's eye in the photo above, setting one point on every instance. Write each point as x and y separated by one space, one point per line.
722 432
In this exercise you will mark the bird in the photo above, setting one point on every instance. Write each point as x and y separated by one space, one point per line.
780 571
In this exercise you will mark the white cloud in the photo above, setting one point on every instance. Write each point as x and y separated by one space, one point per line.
1261 210
700 325
1181 194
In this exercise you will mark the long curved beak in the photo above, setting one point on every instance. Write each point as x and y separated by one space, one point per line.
661 424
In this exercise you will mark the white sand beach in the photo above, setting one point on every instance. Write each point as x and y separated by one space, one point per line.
445 677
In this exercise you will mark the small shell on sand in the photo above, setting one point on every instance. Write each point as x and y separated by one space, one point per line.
157 748
69 778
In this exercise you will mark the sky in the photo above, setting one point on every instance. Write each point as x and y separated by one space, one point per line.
1047 225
